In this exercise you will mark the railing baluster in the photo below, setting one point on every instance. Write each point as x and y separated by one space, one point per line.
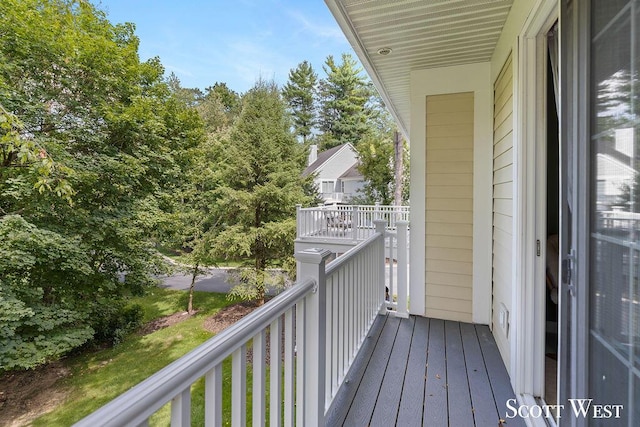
181 409
213 397
258 406
239 387
275 382
334 333
288 369
403 261
300 360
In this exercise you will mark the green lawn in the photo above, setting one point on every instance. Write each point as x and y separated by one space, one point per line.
100 376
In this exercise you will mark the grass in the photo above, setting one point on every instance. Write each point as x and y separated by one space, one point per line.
99 376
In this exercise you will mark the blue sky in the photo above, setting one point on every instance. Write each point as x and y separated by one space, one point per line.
231 41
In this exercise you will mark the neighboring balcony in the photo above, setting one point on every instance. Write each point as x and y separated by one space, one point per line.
331 350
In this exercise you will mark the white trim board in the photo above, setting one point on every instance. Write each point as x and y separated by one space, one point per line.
464 78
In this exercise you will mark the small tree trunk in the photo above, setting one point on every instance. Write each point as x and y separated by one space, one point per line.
194 275
398 166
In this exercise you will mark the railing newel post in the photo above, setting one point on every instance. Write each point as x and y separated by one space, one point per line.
311 264
381 225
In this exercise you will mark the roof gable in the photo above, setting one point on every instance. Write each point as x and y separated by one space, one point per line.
324 157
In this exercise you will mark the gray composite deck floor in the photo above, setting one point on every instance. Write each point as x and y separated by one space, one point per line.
425 372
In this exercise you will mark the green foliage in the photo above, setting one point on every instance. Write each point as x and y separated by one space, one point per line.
44 278
260 175
377 165
91 142
344 94
299 92
630 195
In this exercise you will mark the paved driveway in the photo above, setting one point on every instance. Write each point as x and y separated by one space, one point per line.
214 281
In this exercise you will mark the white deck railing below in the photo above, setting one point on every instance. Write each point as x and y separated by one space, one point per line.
315 330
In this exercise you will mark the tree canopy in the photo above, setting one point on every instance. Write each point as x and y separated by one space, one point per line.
88 139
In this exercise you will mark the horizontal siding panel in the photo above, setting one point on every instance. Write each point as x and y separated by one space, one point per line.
448 315
450 130
449 279
449 304
440 118
503 191
444 229
451 179
502 222
449 202
504 98
457 292
460 267
502 130
503 206
503 112
460 105
449 155
450 192
449 167
446 204
503 145
451 242
504 159
452 143
503 238
448 97
502 175
447 254
450 217
504 82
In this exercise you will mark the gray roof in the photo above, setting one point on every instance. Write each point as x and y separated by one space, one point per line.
322 157
352 173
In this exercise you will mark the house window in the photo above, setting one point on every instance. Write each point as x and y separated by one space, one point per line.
327 187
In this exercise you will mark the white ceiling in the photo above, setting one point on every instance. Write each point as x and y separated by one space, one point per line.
422 34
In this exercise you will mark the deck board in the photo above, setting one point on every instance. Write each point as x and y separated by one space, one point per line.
365 399
385 411
435 394
412 401
428 372
460 410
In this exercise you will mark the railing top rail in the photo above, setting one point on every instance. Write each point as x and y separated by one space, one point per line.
351 253
367 207
140 402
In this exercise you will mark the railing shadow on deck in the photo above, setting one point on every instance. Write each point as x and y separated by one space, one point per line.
322 322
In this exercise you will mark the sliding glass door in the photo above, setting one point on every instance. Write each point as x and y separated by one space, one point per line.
614 224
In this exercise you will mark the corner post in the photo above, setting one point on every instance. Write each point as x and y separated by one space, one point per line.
311 265
402 229
298 221
381 226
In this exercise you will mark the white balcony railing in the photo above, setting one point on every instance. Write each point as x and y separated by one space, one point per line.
315 330
346 221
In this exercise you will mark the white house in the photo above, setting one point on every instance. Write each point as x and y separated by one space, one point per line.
335 171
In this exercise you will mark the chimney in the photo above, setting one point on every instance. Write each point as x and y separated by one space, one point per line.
313 154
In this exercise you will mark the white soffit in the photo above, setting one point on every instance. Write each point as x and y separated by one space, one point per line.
421 34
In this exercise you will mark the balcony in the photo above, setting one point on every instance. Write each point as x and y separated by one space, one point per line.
331 350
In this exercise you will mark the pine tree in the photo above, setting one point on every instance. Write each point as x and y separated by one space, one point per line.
343 98
299 92
261 184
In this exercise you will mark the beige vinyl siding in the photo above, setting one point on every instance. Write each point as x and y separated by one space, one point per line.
449 207
502 199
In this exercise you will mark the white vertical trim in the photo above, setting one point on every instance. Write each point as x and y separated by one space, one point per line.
464 78
528 298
